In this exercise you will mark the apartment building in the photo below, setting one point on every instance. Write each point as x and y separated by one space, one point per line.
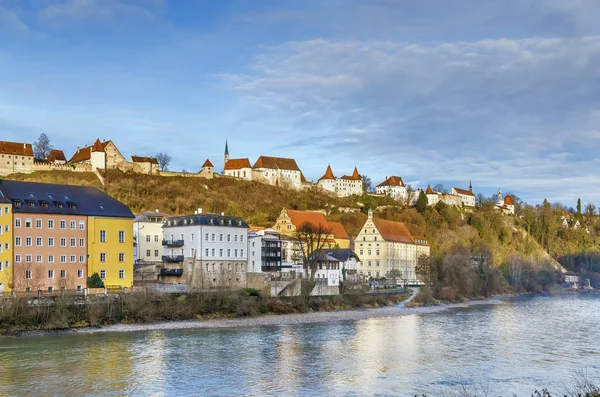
148 236
5 246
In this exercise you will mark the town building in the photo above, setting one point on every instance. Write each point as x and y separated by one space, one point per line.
264 251
289 221
572 279
16 157
277 171
393 187
208 170
385 245
6 257
505 204
144 165
466 196
211 250
336 265
341 187
101 155
56 157
62 234
148 236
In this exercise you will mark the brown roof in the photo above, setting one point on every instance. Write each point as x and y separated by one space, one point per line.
207 163
56 155
98 147
429 190
302 178
16 148
236 164
328 174
256 228
354 177
464 192
301 217
140 159
396 232
276 163
415 231
85 153
392 181
508 200
338 231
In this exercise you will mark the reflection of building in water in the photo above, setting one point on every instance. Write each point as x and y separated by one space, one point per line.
150 365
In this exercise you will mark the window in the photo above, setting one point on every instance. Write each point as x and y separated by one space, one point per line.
50 273
63 259
38 242
242 253
148 252
28 274
28 258
18 222
235 253
73 259
368 252
63 224
38 258
6 246
102 236
228 237
50 258
28 241
121 274
63 241
73 225
221 237
361 252
121 236
17 241
213 252
73 242
102 257
7 228
81 258
81 225
377 252
103 274
377 263
38 223
206 252
80 273
369 263
50 223
156 253
213 237
7 264
50 241
206 237
147 238
63 274
156 238
82 242
235 238
121 257
241 238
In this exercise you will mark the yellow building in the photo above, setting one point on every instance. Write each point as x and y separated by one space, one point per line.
6 269
110 250
289 221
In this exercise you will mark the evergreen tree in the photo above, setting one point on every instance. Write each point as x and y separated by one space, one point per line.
94 281
579 207
422 202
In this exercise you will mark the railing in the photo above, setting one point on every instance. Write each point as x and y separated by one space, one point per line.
172 259
173 243
171 272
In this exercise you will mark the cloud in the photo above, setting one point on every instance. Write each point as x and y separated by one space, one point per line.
520 114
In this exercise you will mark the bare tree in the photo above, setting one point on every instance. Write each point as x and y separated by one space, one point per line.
42 147
440 188
163 161
426 270
367 184
312 238
411 195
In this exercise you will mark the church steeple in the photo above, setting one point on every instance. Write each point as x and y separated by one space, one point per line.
470 187
226 151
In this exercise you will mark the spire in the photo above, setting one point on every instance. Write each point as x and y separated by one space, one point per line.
429 190
470 187
355 175
97 146
328 174
226 148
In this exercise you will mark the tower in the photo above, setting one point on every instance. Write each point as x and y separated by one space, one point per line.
98 156
470 187
226 152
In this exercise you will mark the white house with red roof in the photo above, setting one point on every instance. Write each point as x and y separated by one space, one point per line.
393 187
505 204
466 196
345 186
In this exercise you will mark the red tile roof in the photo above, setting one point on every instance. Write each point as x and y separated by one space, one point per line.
338 230
236 164
140 159
429 190
392 181
396 232
464 192
207 163
508 200
16 148
85 153
354 177
316 218
302 178
56 155
328 174
276 163
98 147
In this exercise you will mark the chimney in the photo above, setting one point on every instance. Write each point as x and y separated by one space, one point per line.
199 210
24 146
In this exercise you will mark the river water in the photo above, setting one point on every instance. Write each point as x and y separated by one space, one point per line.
510 348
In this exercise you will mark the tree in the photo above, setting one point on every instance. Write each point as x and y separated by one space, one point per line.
426 270
410 196
394 274
367 184
94 281
42 147
440 188
312 238
422 202
579 207
163 161
590 211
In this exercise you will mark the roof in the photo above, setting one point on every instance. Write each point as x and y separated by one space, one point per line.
56 155
236 164
207 163
301 217
98 147
302 178
256 228
429 190
464 192
276 163
354 177
328 174
205 220
340 254
392 181
140 159
47 198
17 148
85 153
338 231
396 232
415 231
508 200
144 216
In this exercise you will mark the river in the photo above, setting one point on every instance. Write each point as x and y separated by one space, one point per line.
509 348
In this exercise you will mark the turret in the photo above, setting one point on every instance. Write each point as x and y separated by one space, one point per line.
226 151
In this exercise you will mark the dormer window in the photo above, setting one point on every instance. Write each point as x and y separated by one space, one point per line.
30 203
17 203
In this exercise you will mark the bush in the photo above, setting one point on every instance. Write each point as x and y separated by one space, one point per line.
94 281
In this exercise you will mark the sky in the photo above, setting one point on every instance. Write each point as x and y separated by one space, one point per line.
504 93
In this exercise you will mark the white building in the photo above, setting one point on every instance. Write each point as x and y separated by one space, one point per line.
467 197
393 187
211 249
148 236
277 171
344 186
264 250
505 204
336 265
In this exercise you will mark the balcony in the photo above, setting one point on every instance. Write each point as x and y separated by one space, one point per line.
171 272
173 243
172 259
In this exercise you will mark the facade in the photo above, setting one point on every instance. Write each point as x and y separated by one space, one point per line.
277 171
6 257
466 196
572 279
208 170
393 187
342 240
264 251
100 155
57 157
505 204
148 236
336 265
145 165
384 245
54 240
289 221
211 250
341 187
16 157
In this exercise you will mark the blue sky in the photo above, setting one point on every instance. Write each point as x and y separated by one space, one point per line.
503 93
